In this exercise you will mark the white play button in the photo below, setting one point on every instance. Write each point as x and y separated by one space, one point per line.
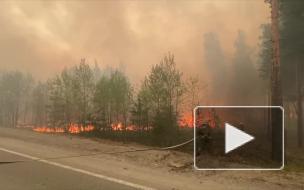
235 138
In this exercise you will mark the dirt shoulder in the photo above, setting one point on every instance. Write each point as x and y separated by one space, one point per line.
160 169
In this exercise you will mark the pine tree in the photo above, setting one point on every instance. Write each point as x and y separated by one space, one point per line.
292 46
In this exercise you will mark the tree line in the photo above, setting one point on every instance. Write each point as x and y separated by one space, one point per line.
87 95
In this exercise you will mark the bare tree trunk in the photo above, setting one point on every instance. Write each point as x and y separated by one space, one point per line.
276 91
299 106
269 114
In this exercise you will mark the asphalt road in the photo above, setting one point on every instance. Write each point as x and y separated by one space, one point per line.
32 175
61 166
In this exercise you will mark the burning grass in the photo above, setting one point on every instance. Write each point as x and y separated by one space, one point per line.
49 129
73 129
185 122
77 128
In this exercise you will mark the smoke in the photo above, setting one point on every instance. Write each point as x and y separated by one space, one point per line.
44 37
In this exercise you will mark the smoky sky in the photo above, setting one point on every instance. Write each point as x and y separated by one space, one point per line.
43 37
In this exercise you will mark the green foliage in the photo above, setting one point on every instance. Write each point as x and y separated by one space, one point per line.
112 100
83 88
141 110
292 45
39 103
158 100
84 95
56 105
102 102
70 96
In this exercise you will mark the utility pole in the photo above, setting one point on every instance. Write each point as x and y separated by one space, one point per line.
276 89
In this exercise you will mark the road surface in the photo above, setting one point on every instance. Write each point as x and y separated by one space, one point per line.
32 175
60 166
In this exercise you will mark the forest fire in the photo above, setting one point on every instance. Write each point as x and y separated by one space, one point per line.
131 128
77 128
210 117
73 129
119 127
186 121
49 129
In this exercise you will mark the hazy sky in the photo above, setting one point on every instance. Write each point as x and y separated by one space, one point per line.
44 37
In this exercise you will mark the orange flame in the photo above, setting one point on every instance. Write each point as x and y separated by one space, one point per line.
116 127
75 128
49 130
119 127
131 128
186 120
206 117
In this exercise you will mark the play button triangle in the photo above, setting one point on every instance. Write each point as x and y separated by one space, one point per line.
235 138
